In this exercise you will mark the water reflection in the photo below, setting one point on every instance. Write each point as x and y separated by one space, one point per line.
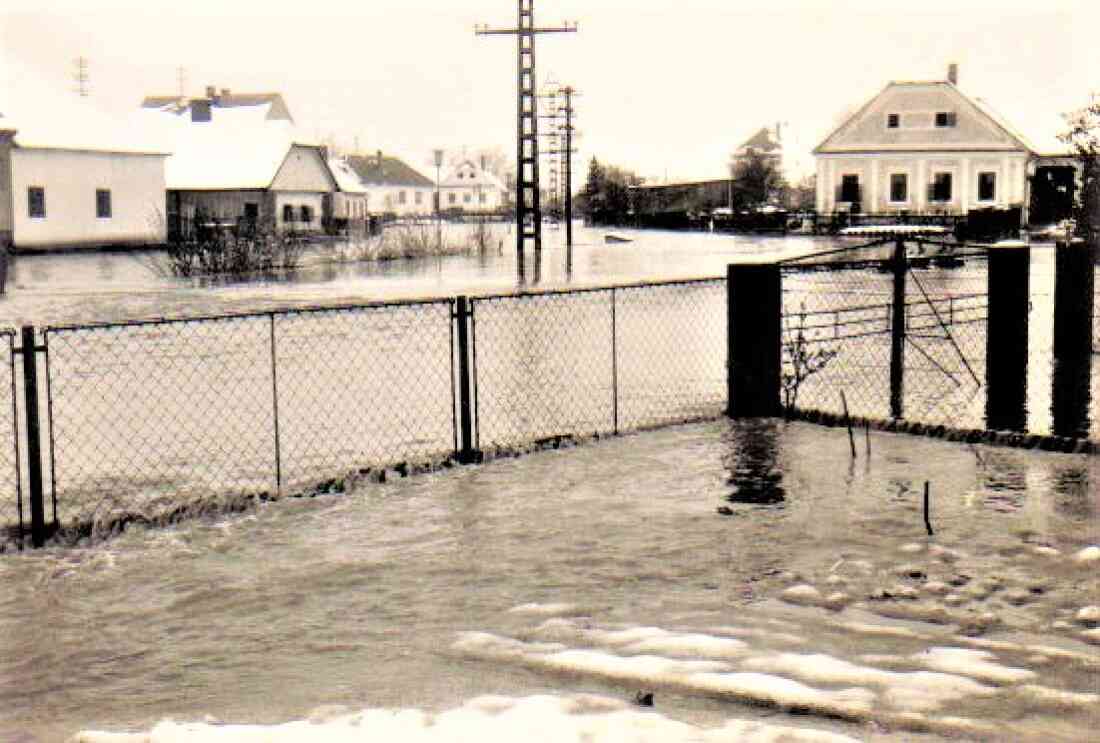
752 462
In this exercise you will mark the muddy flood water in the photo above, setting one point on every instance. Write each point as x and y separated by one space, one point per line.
752 577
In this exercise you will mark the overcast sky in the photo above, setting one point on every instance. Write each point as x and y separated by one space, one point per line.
669 88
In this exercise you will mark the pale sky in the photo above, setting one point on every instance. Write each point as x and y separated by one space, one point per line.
669 89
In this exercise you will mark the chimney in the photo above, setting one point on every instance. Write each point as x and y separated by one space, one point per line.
225 92
483 162
778 132
953 73
211 91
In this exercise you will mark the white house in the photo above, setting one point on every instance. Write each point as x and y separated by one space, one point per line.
393 187
71 176
471 188
234 161
927 148
350 202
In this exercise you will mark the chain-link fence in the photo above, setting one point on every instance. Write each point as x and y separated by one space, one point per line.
11 489
910 345
146 416
598 361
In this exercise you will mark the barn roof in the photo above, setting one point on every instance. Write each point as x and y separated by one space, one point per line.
383 170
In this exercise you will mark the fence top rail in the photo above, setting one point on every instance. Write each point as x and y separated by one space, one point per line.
794 260
230 316
525 293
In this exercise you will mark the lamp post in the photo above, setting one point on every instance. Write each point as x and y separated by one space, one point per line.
438 158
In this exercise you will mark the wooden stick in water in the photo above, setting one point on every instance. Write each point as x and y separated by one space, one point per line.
927 523
848 421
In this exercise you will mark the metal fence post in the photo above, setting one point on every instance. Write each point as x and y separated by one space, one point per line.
753 340
1074 279
467 453
1006 337
900 265
34 440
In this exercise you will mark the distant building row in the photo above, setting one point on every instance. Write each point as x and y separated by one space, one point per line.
70 176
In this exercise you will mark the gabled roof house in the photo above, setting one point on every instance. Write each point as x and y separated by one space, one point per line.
470 187
393 187
240 159
926 147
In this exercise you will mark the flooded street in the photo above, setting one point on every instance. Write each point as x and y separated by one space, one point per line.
108 287
604 569
752 576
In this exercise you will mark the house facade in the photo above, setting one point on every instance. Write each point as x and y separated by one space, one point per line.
471 188
926 148
237 159
392 186
71 177
350 202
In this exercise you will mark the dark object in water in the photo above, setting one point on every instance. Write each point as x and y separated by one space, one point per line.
643 698
725 510
616 239
947 261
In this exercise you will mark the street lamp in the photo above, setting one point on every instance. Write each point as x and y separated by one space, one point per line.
438 157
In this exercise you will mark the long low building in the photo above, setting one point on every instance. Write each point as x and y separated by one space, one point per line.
71 176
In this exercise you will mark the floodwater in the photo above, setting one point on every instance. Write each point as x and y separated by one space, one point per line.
563 583
108 287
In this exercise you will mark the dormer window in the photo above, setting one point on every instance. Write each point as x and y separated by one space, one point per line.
945 119
893 121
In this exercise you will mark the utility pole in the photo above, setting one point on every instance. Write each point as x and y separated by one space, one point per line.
528 213
564 115
80 76
181 80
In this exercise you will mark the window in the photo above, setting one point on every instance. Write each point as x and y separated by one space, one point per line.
36 202
849 188
288 213
251 211
940 190
987 186
945 119
307 214
451 198
418 197
400 197
899 188
102 203
893 121
466 197
481 198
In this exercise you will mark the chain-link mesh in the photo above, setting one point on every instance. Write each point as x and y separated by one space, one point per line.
671 346
363 385
544 365
838 323
147 414
11 495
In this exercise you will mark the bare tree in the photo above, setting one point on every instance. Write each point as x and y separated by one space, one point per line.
1083 135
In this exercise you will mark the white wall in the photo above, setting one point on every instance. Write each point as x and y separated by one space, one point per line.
315 201
874 172
70 179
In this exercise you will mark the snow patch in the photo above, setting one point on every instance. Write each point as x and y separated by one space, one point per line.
975 663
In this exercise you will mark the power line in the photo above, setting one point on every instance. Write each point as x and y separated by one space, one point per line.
528 211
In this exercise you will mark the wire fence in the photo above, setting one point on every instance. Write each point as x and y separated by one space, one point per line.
11 487
142 418
839 334
598 361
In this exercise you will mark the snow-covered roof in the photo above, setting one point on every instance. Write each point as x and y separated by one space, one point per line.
345 176
1038 130
271 105
467 174
239 148
46 117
